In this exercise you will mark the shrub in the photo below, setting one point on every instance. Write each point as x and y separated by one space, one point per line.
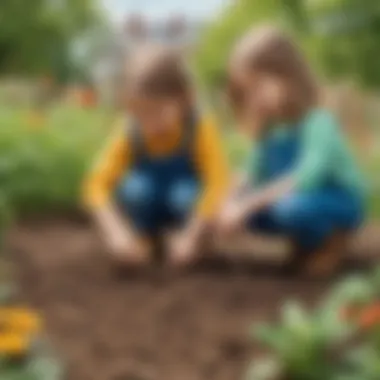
325 343
42 161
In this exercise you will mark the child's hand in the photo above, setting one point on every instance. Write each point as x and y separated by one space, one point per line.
182 249
127 248
184 246
231 218
117 242
124 245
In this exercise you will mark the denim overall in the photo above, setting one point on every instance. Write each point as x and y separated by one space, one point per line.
159 192
309 217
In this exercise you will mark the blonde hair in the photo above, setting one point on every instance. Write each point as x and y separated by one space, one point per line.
269 50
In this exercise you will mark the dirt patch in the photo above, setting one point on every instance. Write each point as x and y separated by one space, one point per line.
159 326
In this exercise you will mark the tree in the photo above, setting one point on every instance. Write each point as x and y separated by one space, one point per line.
36 35
344 42
340 36
219 38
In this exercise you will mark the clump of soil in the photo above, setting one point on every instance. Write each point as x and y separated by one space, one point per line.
157 326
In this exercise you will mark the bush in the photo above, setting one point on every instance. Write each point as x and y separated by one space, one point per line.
338 341
43 159
340 37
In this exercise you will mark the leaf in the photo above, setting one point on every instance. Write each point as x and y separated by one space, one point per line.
44 364
375 281
264 369
331 329
265 334
299 331
295 318
354 290
46 368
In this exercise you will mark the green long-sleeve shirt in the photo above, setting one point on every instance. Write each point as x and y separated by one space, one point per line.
324 154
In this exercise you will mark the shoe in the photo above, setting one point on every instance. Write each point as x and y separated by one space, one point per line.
326 261
295 262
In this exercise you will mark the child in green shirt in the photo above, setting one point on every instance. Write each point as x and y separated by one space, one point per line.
302 178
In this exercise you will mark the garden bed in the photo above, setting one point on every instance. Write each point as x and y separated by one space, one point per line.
156 326
153 327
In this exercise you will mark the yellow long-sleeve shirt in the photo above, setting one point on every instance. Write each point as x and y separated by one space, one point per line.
209 160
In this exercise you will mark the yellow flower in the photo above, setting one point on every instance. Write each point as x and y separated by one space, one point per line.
20 320
13 344
18 326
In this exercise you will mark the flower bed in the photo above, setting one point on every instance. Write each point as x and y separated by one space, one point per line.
24 354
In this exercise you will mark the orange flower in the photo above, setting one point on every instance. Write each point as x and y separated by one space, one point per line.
13 344
350 313
365 317
88 98
370 317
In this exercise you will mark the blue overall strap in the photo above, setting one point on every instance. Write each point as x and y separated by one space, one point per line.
137 141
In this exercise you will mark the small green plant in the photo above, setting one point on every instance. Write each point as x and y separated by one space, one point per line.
339 340
40 364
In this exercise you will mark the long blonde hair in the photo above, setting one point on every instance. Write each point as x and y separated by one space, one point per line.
269 50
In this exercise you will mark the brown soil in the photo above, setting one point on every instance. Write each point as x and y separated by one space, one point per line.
157 326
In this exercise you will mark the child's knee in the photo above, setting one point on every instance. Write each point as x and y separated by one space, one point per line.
182 198
295 212
136 191
136 197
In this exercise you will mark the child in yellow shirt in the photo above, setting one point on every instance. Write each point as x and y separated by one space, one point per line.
163 169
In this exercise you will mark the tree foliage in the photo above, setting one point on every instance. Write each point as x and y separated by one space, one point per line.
219 38
340 36
344 42
36 35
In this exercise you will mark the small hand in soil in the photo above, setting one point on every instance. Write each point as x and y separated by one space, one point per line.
182 248
231 218
129 250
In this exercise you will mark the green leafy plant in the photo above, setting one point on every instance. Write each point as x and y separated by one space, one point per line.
327 342
302 342
41 169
